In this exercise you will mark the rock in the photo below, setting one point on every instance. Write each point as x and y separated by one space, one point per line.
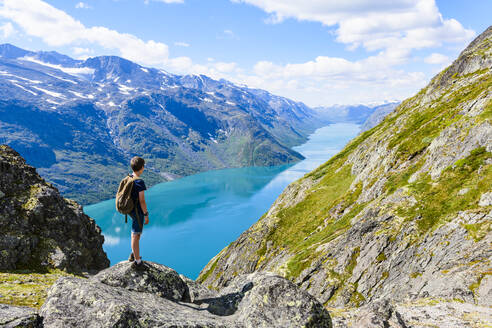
19 316
272 301
123 296
154 278
41 229
444 315
483 293
196 292
380 314
421 313
486 199
74 302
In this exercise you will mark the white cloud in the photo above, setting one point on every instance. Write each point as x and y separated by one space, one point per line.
56 28
402 25
82 5
181 44
436 59
7 30
389 29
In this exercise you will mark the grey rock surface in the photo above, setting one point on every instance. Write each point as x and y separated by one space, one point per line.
19 317
125 296
41 229
155 279
486 199
421 314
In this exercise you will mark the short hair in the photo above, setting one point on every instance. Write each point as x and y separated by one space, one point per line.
137 163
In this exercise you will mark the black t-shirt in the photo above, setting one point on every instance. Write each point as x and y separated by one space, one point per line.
138 186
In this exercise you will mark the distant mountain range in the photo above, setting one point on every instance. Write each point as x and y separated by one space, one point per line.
367 115
80 121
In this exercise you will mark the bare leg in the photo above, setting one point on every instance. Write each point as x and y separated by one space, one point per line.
136 245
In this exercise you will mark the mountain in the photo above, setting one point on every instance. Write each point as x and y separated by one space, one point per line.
80 121
378 115
352 113
398 223
40 229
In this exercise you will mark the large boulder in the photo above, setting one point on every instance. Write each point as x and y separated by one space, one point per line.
19 317
41 229
156 279
155 295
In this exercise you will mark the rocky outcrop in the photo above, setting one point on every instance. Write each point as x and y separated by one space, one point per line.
401 214
41 229
421 314
19 317
156 296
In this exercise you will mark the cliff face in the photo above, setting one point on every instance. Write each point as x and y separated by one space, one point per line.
403 212
41 229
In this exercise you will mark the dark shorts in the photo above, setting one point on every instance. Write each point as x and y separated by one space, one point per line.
135 226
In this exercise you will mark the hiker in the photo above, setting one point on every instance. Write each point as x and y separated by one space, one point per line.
139 214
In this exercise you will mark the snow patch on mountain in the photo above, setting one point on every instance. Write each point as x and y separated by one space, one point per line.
76 71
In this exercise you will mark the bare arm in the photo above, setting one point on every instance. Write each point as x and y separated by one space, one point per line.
143 205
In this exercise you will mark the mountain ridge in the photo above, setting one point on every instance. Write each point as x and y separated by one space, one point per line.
106 109
402 214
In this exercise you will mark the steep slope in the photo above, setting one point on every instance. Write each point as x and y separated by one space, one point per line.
403 212
80 121
40 229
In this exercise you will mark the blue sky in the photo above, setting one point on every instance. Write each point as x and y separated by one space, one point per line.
320 52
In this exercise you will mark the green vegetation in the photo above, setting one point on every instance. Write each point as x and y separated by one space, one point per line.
27 288
203 277
436 200
478 230
473 287
381 257
422 126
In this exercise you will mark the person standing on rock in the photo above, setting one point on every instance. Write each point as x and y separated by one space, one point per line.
140 211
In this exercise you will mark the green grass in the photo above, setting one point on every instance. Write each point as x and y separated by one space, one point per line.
203 277
26 287
422 126
436 200
478 230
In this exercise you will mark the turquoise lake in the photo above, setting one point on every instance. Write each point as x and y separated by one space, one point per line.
195 217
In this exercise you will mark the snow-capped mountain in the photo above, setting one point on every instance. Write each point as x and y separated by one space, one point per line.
80 121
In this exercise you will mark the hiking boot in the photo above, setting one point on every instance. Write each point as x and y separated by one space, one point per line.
137 265
131 258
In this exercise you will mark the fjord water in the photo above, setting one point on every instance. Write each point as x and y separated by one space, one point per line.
193 218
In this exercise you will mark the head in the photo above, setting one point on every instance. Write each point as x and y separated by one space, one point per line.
137 164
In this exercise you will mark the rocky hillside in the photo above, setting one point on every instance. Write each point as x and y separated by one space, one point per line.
40 229
401 214
156 296
80 121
